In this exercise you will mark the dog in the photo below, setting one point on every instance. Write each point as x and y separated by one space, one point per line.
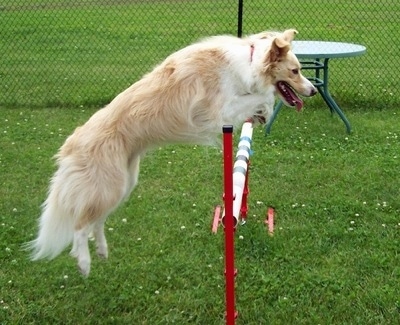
221 80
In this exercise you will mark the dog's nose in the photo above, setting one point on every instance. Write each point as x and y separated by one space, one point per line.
313 91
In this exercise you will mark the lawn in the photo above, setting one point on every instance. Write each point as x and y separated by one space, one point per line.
334 257
335 254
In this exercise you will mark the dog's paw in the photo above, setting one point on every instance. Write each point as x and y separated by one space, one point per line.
258 119
84 267
102 252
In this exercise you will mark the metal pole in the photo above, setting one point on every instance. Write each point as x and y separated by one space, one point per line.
240 18
230 271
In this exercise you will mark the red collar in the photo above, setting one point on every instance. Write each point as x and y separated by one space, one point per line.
251 52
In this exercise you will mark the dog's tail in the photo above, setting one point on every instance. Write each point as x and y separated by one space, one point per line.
56 230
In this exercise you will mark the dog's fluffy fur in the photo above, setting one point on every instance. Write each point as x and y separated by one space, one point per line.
186 99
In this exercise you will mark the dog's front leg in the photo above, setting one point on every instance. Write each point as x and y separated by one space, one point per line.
246 106
263 114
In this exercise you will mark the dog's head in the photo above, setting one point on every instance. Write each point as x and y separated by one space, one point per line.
283 69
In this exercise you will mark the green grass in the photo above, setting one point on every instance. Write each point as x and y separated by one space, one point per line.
334 257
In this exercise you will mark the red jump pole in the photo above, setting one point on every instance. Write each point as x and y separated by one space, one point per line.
229 229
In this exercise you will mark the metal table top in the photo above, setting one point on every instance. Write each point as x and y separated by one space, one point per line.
322 49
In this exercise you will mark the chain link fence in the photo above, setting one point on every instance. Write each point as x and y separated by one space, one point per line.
82 53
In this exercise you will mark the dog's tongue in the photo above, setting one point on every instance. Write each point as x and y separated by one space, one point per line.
298 103
289 95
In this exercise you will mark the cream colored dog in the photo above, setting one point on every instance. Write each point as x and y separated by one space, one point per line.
186 99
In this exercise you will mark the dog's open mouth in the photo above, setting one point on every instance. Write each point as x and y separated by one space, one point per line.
288 95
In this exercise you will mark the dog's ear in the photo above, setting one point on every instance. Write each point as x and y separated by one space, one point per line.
279 49
289 34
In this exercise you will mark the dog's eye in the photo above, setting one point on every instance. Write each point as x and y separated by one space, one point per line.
295 71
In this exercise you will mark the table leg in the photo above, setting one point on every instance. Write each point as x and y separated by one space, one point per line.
271 120
324 91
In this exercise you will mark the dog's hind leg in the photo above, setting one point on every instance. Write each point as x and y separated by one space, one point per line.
98 230
107 190
80 249
133 171
92 218
101 242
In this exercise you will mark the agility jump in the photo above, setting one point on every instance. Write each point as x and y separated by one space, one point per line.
236 189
